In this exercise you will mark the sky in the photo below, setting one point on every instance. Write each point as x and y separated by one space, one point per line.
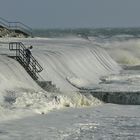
72 13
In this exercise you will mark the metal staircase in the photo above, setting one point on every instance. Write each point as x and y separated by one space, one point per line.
17 27
33 68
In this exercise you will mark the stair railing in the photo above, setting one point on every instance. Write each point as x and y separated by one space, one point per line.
33 67
16 26
4 22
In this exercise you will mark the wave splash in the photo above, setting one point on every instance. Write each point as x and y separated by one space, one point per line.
25 102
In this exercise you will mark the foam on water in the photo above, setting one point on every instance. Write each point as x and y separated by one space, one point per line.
25 102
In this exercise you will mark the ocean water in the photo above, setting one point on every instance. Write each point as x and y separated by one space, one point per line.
90 67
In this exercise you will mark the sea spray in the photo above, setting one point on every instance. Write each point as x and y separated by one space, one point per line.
124 52
76 99
43 102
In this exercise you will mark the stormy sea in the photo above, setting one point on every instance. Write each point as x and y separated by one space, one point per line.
94 90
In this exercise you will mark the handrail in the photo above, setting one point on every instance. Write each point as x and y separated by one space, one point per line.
16 25
4 22
32 58
21 26
19 47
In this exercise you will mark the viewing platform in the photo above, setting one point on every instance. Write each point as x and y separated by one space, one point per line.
14 29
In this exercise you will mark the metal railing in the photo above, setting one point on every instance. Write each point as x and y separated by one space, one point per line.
16 26
33 68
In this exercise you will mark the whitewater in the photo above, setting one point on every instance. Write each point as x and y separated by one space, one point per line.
90 75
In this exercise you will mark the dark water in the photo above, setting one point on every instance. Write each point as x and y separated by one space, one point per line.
99 32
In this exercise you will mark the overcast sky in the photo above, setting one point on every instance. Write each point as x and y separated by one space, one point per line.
72 13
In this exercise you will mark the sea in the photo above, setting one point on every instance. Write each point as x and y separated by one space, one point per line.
93 92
